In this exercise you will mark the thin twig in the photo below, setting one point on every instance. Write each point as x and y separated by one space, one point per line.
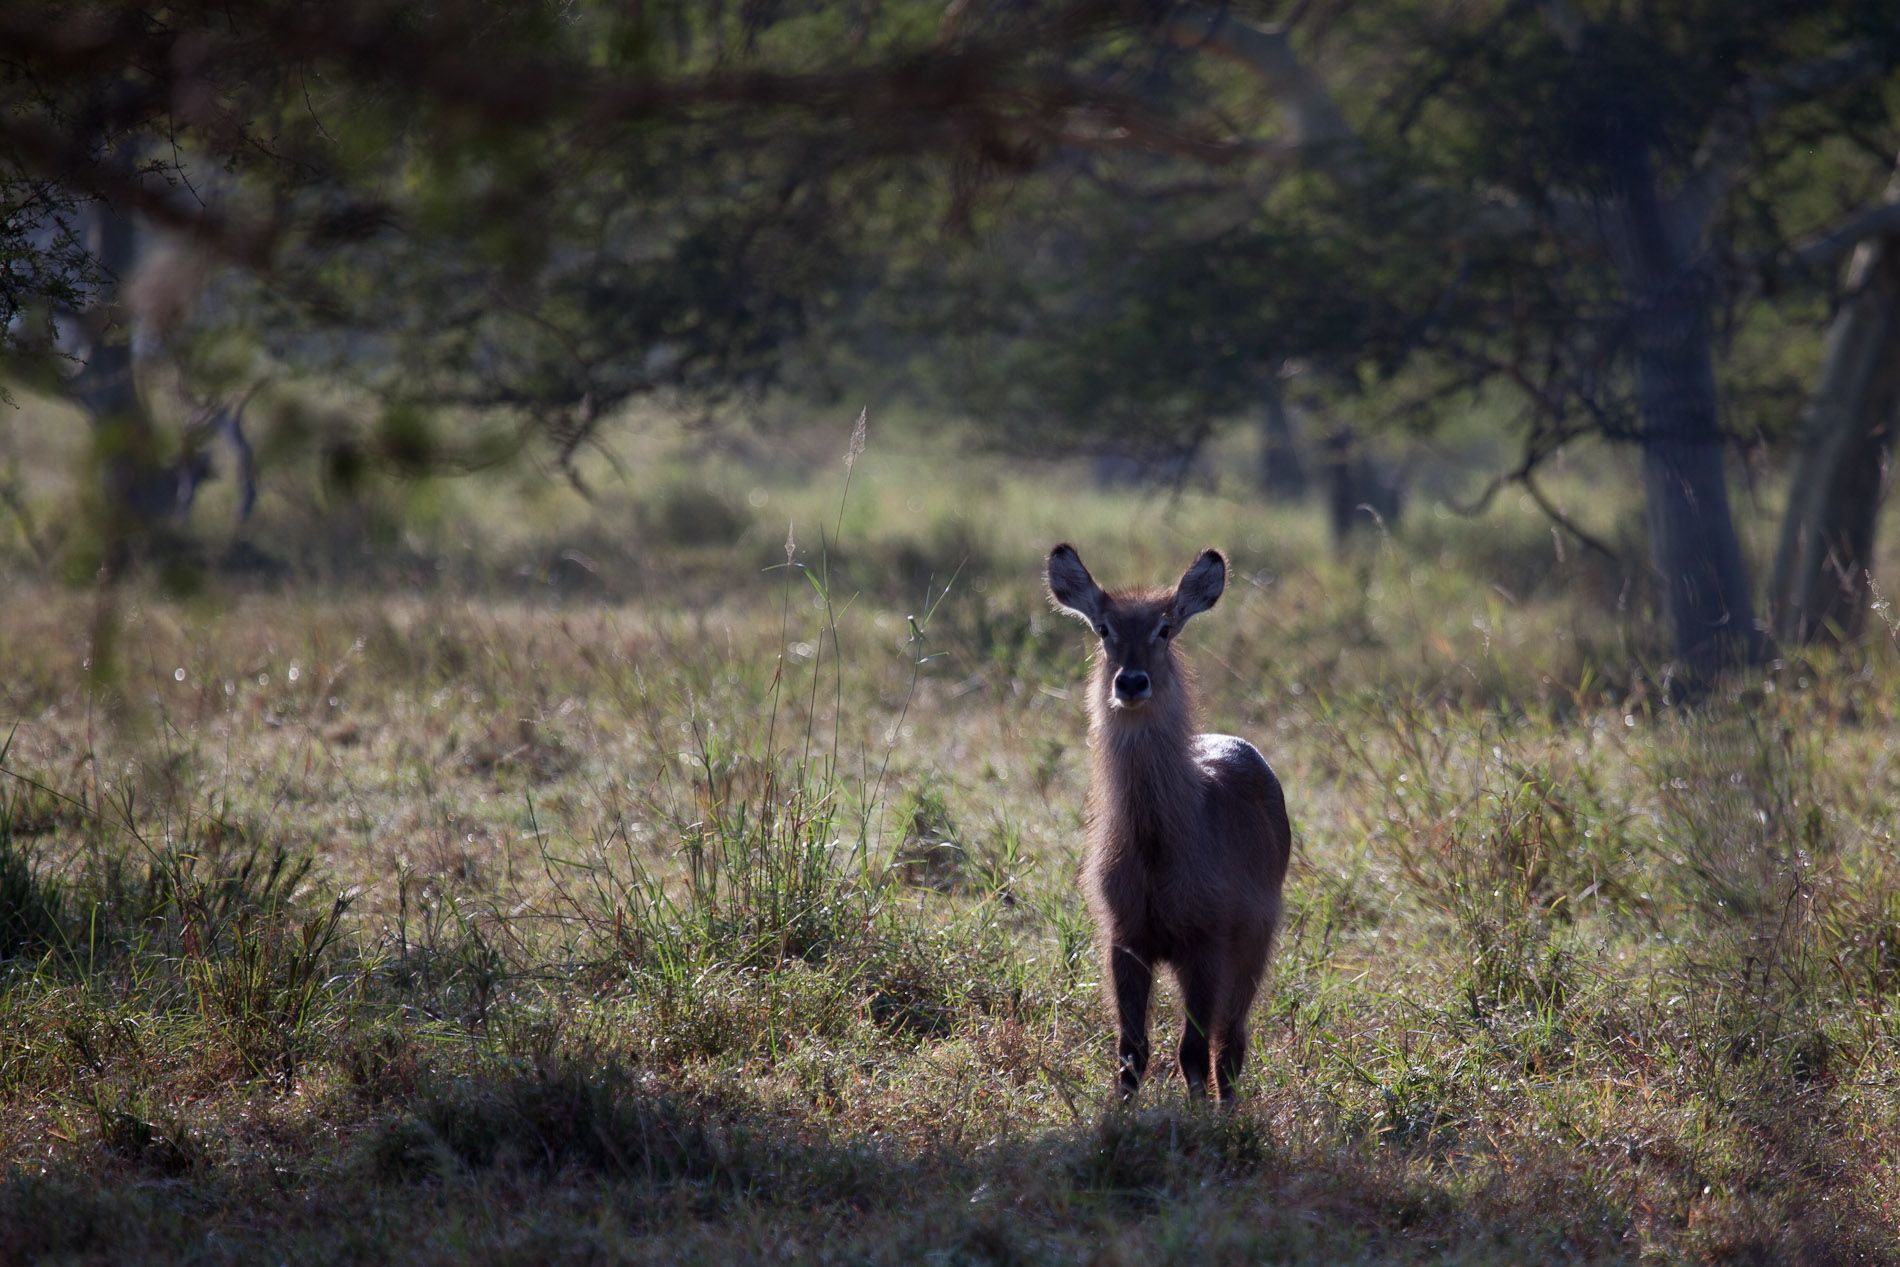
1563 521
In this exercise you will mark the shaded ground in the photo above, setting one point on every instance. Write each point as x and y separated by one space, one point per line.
720 923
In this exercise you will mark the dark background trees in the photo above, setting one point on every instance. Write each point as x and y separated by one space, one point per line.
1581 206
1086 222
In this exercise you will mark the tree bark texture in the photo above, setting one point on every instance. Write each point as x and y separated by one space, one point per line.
1691 533
1842 453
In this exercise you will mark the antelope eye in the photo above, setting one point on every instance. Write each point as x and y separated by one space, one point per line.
1101 631
1162 633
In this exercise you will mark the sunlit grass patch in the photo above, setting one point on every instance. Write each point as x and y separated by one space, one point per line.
705 910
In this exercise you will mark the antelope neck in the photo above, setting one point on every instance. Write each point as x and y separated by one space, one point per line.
1144 769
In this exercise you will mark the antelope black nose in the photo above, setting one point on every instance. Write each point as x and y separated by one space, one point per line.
1131 685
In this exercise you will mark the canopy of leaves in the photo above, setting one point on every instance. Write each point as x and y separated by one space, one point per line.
1039 209
547 207
1456 244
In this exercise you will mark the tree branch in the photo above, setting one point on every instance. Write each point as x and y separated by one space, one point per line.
1824 249
1725 152
1108 128
1313 118
1525 477
57 157
1562 520
990 95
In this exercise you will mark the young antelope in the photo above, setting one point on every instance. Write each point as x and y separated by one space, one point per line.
1188 836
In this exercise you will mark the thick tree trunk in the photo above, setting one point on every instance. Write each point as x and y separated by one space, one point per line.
1692 537
1841 455
1685 488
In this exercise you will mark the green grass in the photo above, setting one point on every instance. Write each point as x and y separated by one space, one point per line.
565 881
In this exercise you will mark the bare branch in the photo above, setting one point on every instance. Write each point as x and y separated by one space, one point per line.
1525 477
1562 520
1267 51
1825 248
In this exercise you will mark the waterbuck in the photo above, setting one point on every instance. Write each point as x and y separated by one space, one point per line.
1188 835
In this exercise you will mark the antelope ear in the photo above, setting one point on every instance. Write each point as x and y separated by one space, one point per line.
1200 586
1071 586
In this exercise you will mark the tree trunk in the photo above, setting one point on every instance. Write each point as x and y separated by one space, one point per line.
1841 455
1692 538
1282 474
139 487
1361 490
1691 535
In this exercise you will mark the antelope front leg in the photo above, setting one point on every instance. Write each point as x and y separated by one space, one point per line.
1200 991
1133 982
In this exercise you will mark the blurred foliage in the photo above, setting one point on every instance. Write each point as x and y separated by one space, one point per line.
537 209
1453 248
1046 212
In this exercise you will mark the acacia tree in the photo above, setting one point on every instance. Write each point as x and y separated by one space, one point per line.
1573 200
548 208
541 209
1668 115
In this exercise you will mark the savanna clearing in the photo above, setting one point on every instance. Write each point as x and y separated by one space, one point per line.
469 872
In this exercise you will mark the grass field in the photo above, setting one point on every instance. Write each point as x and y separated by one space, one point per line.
474 872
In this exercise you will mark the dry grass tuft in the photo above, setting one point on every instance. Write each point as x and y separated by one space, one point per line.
659 907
